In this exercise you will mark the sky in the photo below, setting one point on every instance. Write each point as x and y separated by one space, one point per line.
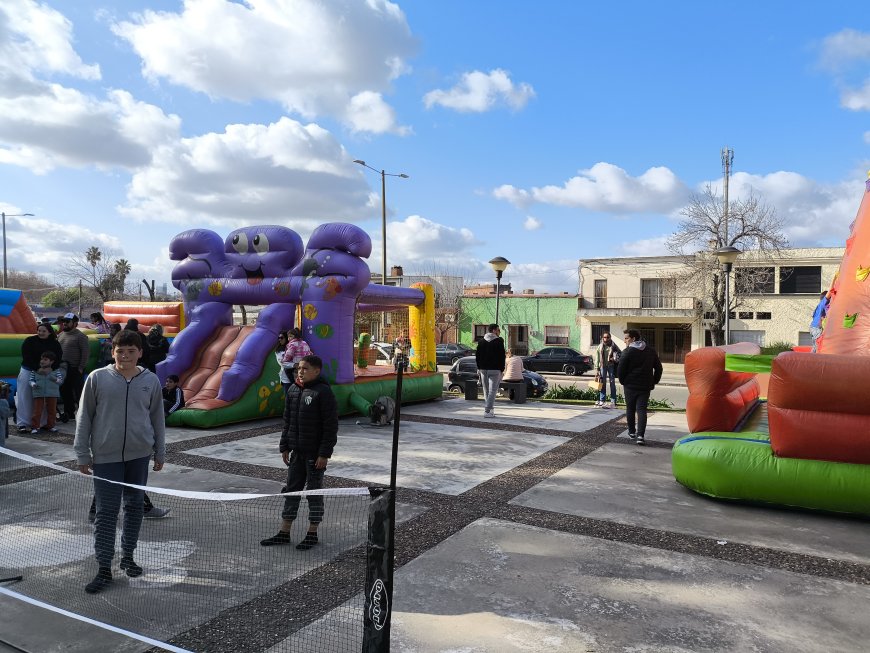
542 132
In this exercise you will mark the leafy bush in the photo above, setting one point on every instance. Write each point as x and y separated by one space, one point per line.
776 348
573 393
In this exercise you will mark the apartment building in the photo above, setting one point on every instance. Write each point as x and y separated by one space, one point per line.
660 297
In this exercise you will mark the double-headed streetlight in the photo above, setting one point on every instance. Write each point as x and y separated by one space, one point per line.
384 176
727 256
499 264
11 215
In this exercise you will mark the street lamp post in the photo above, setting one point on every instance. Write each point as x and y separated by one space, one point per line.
727 256
499 264
11 215
384 176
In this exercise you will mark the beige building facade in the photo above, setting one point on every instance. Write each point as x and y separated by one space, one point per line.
661 297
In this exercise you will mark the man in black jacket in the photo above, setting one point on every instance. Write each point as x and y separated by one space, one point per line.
309 436
490 358
639 371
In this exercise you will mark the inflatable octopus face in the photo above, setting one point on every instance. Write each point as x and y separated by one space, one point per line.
258 253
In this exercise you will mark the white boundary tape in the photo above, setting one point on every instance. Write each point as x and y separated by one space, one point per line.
93 622
188 494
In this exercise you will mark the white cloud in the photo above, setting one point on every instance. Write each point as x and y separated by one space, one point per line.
61 126
285 172
844 47
856 99
657 246
532 224
312 57
367 112
416 238
478 92
813 213
847 49
43 124
609 188
36 38
547 277
43 245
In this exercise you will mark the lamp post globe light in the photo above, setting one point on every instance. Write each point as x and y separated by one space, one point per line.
499 264
727 256
384 176
10 215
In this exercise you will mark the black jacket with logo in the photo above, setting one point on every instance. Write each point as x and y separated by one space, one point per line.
490 354
310 419
639 367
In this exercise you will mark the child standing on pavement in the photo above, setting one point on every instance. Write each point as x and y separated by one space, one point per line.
120 426
309 436
45 387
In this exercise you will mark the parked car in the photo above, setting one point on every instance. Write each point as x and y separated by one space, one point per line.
449 353
559 359
465 369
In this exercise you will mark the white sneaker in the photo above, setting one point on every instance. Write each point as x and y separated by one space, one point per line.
34 431
490 414
605 405
613 404
597 403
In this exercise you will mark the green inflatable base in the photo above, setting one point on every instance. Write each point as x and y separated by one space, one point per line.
265 398
742 466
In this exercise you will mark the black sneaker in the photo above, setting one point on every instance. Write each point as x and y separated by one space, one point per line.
632 435
281 538
133 570
309 541
640 440
101 581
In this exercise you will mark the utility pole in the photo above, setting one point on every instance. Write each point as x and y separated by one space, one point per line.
727 162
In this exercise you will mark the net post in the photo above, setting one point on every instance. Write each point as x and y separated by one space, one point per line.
377 613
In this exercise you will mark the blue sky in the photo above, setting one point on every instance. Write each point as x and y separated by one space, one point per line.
542 132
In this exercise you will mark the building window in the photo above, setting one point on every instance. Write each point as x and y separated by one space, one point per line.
762 315
658 293
556 335
805 339
597 331
756 337
479 331
745 315
601 293
709 315
804 280
754 281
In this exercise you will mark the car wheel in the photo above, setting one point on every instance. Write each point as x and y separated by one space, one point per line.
455 389
570 370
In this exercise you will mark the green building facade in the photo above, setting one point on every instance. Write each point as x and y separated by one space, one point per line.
528 322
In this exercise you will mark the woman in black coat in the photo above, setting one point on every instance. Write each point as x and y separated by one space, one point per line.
158 346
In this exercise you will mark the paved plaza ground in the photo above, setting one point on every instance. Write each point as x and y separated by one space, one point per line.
543 529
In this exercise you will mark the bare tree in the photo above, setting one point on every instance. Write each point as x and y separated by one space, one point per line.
97 269
753 227
150 287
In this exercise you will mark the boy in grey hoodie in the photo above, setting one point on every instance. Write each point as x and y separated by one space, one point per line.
119 426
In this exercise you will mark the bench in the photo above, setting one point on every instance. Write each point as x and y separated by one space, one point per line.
516 390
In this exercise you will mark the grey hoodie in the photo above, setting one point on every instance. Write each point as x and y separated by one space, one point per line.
120 420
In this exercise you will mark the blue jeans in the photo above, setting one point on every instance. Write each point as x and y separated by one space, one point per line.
608 372
108 496
490 380
302 475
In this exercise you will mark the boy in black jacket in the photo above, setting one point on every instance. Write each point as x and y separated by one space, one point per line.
639 371
309 436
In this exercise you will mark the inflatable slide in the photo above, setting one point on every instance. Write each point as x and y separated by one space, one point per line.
808 446
229 373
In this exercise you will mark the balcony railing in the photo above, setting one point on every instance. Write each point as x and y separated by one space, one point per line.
642 302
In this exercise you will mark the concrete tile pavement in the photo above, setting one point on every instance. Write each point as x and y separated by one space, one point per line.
557 564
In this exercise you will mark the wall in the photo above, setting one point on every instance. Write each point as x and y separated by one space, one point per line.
535 311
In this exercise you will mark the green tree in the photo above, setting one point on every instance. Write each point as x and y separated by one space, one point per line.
61 297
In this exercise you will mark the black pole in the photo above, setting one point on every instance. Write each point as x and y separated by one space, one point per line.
497 293
401 364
